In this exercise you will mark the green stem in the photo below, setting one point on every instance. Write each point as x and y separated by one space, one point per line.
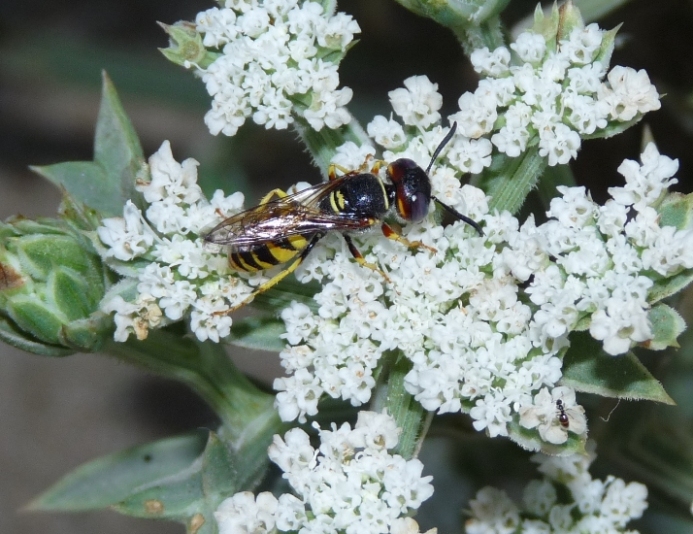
488 34
409 415
512 182
323 145
553 177
206 368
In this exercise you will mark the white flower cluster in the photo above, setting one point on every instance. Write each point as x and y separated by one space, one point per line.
536 96
279 57
567 499
349 484
175 274
485 320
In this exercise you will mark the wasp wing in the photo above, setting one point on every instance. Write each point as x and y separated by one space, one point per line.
296 214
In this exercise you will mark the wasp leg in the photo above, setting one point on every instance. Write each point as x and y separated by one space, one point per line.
332 171
356 253
390 233
333 168
279 193
377 165
278 277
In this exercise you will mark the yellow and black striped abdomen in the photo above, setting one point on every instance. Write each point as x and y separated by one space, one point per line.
268 254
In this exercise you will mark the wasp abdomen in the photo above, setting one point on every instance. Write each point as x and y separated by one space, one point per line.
266 255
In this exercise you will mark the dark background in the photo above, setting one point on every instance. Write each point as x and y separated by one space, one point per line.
58 413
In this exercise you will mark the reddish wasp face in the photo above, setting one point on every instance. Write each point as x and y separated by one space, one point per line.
412 189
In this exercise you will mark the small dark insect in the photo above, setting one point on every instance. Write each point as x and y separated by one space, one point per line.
562 416
284 228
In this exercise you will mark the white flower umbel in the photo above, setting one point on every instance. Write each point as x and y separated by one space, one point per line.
175 272
350 483
566 499
483 320
545 96
278 59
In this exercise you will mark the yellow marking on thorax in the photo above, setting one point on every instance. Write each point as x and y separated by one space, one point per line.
337 202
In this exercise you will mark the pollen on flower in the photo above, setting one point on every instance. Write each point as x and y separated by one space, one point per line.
176 274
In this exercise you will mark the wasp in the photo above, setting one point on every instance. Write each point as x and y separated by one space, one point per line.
284 228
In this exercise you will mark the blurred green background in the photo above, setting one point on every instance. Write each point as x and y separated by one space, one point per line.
57 414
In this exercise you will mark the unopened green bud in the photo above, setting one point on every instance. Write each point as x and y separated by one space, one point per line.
50 288
185 46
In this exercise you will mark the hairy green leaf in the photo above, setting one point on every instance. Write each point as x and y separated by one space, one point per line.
666 287
587 368
258 333
190 496
107 182
10 334
106 481
667 326
509 184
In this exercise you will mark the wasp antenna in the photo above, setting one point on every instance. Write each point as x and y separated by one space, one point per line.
459 216
441 146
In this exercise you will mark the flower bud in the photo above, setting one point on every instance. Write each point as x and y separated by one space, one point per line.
186 47
50 288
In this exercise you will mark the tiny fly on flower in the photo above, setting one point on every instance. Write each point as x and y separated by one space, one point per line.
562 416
284 228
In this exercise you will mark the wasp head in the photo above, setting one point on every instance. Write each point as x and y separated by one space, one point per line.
412 189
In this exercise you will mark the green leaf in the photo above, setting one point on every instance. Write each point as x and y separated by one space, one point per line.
510 183
546 24
666 287
86 181
667 325
597 9
106 481
258 333
552 178
107 182
116 146
41 254
10 334
88 334
676 210
286 292
587 368
71 294
191 495
606 49
653 444
32 316
407 412
612 129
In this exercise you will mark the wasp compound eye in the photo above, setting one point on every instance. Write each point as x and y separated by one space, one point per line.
412 189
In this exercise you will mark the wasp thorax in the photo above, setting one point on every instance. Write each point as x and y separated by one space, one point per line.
412 189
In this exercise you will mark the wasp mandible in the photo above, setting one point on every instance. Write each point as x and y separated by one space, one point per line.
284 228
